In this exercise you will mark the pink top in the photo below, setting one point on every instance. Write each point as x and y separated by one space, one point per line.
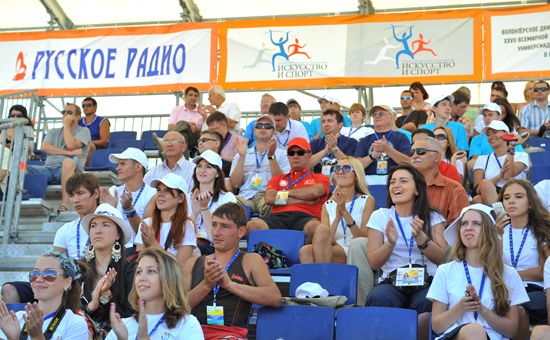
190 116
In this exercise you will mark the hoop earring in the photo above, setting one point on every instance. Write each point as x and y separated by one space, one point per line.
90 253
115 252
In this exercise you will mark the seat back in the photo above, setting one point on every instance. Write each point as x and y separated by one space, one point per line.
289 241
376 323
380 193
100 160
538 141
36 185
337 279
16 307
126 143
540 158
116 135
540 172
295 323
147 138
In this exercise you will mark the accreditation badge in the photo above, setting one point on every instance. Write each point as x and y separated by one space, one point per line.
409 276
214 315
256 182
281 198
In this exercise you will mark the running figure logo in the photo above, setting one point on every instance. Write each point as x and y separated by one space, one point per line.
293 49
404 38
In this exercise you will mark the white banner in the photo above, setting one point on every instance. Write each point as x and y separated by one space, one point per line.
520 42
111 61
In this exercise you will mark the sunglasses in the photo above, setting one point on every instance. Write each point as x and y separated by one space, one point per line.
421 151
204 140
87 105
296 152
345 168
378 114
67 112
540 89
268 126
49 275
406 97
441 136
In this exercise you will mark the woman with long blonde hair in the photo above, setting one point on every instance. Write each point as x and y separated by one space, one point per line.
343 217
475 296
159 296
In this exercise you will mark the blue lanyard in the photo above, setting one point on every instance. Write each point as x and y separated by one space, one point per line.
469 279
161 320
49 316
498 162
350 211
259 162
287 137
525 233
137 196
227 141
406 118
216 288
387 137
409 245
352 131
290 185
202 219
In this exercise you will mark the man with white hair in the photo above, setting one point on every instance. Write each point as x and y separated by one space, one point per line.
216 96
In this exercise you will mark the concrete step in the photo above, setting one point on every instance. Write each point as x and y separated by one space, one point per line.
21 263
9 276
15 250
52 226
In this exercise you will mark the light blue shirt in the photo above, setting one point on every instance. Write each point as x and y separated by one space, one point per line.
459 133
316 125
534 116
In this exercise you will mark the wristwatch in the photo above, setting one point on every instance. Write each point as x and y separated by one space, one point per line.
104 299
372 158
271 157
351 224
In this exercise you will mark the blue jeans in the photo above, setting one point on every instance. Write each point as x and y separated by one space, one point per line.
386 295
54 174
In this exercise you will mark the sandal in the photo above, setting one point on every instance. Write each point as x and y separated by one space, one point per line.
62 208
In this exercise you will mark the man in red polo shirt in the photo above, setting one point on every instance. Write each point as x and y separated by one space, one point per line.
297 197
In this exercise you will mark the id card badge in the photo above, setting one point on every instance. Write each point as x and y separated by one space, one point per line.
256 182
381 167
282 198
214 315
409 276
326 170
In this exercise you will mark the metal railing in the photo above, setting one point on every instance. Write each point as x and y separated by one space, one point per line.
13 160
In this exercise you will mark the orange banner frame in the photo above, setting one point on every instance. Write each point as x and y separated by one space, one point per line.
120 31
488 56
476 14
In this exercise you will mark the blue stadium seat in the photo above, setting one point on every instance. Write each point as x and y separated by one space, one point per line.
124 144
36 162
540 158
337 279
16 307
296 323
100 160
380 193
35 185
288 241
539 173
376 323
538 141
117 135
147 138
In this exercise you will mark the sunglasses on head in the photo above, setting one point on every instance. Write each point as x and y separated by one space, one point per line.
441 136
49 275
345 168
540 89
378 114
268 126
296 152
87 105
406 97
67 112
421 151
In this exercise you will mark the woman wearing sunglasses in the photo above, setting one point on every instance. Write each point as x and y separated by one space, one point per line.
208 194
451 154
160 302
104 264
405 242
525 231
476 296
54 281
170 227
343 217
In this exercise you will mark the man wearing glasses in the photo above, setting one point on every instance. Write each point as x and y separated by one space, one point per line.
67 149
411 119
253 167
384 148
297 197
211 140
535 117
99 126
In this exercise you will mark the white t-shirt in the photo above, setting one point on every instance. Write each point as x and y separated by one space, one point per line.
449 285
543 189
189 236
225 197
71 327
400 255
187 328
356 133
547 274
66 237
489 164
343 235
529 257
140 204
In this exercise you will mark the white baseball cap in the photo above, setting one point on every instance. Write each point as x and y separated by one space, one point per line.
209 156
383 107
498 125
491 107
172 181
336 101
112 213
310 290
451 232
439 98
130 153
325 97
